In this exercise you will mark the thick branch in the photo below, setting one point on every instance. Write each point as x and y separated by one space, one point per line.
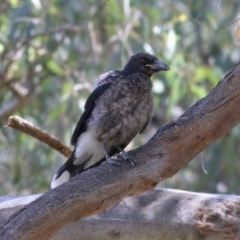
40 134
171 148
159 214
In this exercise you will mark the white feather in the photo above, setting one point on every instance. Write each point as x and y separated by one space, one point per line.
88 145
64 177
88 150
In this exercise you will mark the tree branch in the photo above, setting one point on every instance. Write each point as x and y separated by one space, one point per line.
21 95
67 28
170 149
158 214
40 134
11 106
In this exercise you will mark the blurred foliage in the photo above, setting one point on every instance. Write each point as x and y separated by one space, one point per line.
52 51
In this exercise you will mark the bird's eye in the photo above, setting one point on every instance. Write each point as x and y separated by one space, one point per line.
144 61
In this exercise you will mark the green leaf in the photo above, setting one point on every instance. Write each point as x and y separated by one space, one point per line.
14 3
54 67
1 48
66 89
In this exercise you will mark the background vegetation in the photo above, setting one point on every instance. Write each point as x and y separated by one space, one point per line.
52 51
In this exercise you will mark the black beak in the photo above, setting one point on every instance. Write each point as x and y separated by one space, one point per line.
159 66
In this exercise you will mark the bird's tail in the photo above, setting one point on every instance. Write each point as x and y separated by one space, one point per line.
67 171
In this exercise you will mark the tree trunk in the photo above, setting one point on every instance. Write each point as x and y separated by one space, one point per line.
99 188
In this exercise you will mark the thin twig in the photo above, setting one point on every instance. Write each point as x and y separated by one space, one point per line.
229 24
38 133
12 106
63 28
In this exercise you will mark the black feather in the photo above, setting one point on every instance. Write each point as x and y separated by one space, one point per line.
88 108
119 108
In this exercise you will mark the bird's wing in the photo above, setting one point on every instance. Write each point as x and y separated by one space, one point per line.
148 119
88 108
108 77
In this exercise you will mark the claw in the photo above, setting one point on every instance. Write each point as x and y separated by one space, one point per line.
126 157
122 155
108 158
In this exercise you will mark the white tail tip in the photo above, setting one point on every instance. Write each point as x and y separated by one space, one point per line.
64 177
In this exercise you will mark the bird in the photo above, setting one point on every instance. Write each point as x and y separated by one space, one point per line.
119 108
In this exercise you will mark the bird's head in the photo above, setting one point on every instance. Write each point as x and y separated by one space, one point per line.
144 63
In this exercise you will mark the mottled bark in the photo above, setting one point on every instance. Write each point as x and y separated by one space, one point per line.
158 214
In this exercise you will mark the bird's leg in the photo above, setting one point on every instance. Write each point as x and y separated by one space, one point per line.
108 158
126 157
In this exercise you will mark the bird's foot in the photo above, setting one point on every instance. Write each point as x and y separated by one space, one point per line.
124 155
111 160
108 158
